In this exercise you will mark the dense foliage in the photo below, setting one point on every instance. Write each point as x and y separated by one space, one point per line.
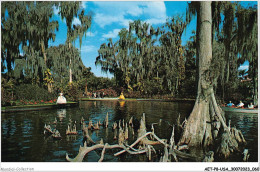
146 61
24 92
151 61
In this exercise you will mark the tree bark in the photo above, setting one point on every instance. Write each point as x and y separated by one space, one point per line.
255 91
203 122
70 71
197 131
49 85
86 88
197 54
43 52
255 82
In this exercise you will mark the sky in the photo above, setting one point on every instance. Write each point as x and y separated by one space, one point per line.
109 17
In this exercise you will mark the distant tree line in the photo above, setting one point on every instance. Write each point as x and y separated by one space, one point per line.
153 60
145 60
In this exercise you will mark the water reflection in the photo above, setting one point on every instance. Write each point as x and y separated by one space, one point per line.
61 114
23 139
248 124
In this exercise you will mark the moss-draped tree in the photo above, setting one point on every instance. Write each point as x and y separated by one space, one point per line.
69 10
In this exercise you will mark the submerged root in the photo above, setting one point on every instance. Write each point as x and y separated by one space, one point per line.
237 134
145 146
87 136
230 140
228 145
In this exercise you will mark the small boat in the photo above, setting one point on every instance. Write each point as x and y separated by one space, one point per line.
240 110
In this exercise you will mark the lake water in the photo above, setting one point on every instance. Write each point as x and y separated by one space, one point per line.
23 140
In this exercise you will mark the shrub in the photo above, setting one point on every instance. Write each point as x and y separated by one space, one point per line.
33 93
108 92
71 92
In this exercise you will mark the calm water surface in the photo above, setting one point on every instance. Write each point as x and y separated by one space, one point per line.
23 139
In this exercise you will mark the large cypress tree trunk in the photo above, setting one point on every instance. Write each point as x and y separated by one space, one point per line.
198 129
206 118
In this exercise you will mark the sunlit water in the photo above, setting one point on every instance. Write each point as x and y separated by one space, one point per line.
23 140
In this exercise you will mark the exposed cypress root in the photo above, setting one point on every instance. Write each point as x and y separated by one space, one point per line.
86 135
55 121
202 128
230 141
230 138
72 131
103 153
82 120
90 125
131 122
126 132
56 134
246 155
227 145
115 134
209 157
48 129
84 125
142 131
84 150
114 126
197 130
121 137
237 134
145 146
166 155
96 126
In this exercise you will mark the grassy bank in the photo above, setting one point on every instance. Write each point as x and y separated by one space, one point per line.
36 107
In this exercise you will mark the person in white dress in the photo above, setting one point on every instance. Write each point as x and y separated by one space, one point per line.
61 99
240 105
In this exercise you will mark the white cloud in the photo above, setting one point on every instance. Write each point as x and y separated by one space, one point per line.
111 34
88 48
84 4
119 12
155 9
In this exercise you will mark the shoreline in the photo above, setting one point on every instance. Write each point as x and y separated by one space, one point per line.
141 99
36 107
21 108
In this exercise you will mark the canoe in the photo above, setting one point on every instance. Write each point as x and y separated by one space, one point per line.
240 110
